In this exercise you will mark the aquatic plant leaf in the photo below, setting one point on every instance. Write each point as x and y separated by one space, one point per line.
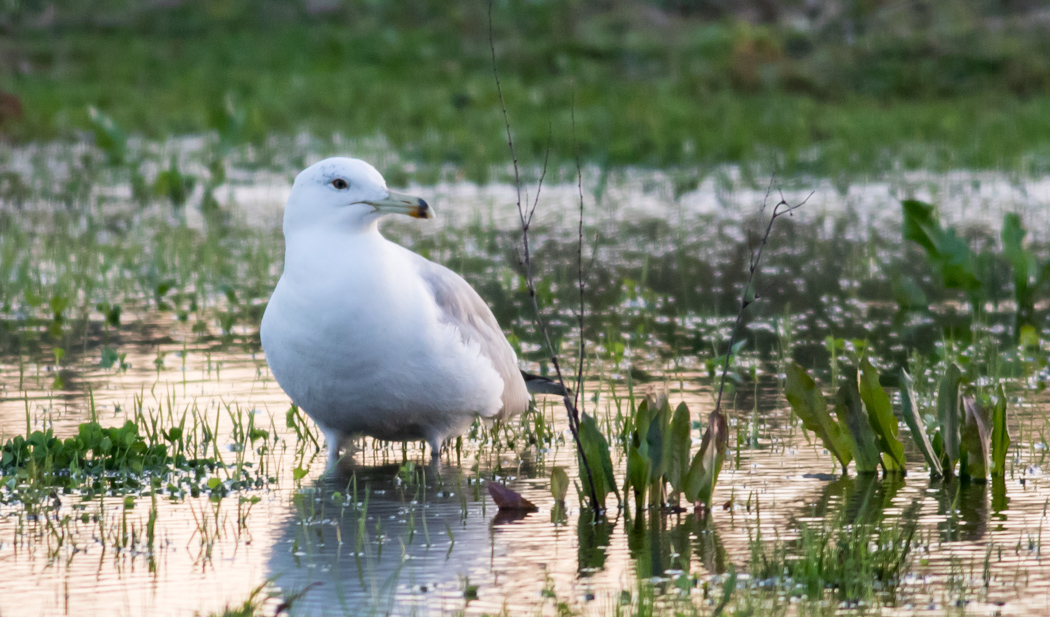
1028 276
707 464
639 466
657 436
108 136
559 483
809 404
1000 436
880 415
642 417
948 415
1023 261
639 461
947 252
508 499
850 412
938 447
910 411
596 449
920 224
678 441
975 440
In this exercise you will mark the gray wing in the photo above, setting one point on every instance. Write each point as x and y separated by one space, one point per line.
462 308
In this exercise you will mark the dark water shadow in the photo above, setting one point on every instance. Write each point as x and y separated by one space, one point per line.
964 506
663 545
594 537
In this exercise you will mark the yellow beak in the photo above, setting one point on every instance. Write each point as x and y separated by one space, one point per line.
398 203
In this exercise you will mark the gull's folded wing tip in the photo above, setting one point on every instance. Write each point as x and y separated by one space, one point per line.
536 384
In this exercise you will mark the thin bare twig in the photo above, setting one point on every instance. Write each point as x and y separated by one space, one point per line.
749 296
543 175
526 220
579 256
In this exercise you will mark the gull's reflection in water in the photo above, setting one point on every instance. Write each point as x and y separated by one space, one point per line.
387 540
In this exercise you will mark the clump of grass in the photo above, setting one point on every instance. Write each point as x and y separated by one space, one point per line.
856 563
251 607
112 460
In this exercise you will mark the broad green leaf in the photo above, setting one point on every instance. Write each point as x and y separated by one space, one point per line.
678 442
641 417
596 449
975 440
1000 436
1025 269
957 264
938 447
880 415
948 415
810 406
657 437
559 483
910 411
947 252
639 453
920 225
638 469
707 464
850 412
1023 261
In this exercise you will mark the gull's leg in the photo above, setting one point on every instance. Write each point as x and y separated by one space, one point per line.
332 440
435 452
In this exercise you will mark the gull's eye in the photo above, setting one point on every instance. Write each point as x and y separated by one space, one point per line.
340 184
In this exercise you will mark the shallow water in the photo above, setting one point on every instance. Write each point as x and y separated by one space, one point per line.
300 534
430 541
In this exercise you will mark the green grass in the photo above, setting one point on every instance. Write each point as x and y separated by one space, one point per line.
152 453
252 606
955 93
851 563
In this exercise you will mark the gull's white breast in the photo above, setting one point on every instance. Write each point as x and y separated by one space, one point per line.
353 335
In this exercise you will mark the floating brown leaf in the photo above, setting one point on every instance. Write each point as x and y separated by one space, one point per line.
509 500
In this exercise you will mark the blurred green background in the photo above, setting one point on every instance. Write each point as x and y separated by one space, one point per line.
823 87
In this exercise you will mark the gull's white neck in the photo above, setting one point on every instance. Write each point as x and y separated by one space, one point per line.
325 251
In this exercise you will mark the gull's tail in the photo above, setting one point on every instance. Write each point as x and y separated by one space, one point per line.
541 385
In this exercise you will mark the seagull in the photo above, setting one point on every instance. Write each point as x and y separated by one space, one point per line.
369 338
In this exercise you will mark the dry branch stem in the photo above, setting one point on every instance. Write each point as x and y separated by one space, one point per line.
748 296
525 215
579 255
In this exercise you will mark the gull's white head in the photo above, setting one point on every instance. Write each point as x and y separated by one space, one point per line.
345 193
